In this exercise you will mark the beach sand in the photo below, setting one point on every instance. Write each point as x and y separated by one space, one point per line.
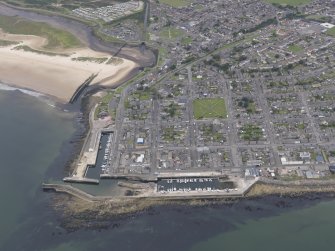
57 76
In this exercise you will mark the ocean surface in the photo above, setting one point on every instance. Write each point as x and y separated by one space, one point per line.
35 142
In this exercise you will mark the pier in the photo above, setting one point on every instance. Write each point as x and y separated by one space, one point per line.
81 180
62 188
90 150
241 191
81 88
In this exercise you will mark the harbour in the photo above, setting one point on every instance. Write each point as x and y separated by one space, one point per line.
193 184
102 160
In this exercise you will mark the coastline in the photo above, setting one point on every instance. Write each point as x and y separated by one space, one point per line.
100 214
140 54
57 76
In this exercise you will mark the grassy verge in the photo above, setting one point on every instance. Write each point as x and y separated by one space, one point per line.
27 48
115 61
103 105
4 43
289 2
90 59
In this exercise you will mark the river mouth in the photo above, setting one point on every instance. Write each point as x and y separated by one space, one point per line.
140 54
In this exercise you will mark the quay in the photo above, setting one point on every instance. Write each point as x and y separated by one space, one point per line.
133 177
179 195
168 175
68 189
81 180
90 150
159 176
242 191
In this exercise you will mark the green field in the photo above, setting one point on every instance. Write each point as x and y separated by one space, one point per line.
171 33
289 2
319 18
176 3
295 48
331 32
209 108
186 40
56 38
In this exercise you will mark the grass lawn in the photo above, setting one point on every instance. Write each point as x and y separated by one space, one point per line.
162 55
103 105
294 48
171 33
176 3
186 40
251 132
319 18
289 2
331 32
209 108
56 38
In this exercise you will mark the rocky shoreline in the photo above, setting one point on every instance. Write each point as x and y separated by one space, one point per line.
75 214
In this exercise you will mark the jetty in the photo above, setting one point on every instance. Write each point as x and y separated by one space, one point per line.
81 180
81 88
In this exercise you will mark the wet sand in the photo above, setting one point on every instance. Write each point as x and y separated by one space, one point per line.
57 76
141 55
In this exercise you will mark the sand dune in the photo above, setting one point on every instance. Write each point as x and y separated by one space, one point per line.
57 76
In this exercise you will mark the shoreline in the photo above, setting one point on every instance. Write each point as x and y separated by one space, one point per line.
101 214
144 56
259 189
48 99
57 76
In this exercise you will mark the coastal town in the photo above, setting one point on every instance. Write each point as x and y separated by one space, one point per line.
235 98
239 92
167 125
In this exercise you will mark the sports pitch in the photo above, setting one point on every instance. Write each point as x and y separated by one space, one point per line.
209 108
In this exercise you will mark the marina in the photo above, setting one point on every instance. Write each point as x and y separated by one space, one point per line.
103 157
192 184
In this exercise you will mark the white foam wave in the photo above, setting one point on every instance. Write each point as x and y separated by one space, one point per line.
6 87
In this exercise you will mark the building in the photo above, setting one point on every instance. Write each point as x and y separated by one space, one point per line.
332 169
140 141
305 156
251 173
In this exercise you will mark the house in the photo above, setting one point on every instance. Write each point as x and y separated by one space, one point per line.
140 141
305 156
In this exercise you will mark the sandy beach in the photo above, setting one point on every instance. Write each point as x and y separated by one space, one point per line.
57 76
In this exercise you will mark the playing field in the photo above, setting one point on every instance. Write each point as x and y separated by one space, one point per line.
289 2
331 32
209 108
176 3
295 48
